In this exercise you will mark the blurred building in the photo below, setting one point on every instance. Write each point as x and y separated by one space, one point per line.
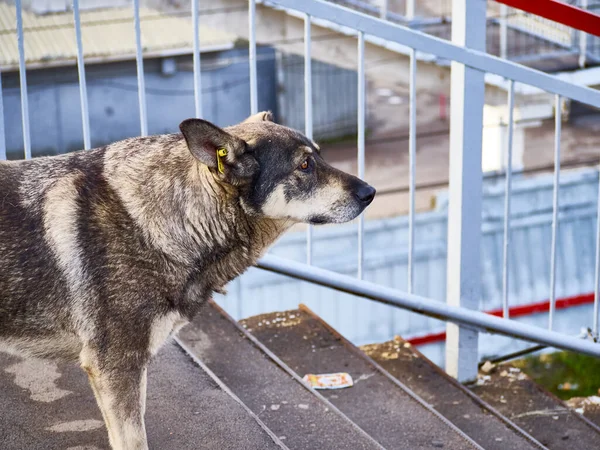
111 73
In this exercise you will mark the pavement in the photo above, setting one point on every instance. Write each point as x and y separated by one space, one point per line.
45 405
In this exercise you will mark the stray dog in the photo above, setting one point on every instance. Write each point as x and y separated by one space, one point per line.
105 253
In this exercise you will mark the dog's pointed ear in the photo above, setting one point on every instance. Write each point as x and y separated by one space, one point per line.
219 150
264 116
204 140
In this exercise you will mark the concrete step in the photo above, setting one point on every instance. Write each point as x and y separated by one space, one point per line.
46 405
299 416
377 402
535 410
484 424
589 407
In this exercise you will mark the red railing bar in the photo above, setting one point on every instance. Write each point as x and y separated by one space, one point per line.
515 311
559 12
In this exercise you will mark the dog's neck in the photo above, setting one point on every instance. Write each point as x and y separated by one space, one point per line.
230 238
189 215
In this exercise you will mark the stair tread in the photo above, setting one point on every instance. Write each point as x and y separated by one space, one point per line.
288 408
428 381
49 405
375 402
535 410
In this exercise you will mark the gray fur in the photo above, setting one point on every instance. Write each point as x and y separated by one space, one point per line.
105 253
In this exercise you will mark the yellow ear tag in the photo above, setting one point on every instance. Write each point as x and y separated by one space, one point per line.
220 154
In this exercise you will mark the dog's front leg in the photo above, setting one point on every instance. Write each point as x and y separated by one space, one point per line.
120 391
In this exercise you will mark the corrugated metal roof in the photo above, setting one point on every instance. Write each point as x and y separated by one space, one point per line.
106 33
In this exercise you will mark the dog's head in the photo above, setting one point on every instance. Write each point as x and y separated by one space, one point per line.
279 172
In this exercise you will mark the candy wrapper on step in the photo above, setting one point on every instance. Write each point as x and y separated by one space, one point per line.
329 380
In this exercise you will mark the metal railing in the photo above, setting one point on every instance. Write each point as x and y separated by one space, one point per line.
521 36
469 64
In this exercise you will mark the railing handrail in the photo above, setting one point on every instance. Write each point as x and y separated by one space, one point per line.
422 305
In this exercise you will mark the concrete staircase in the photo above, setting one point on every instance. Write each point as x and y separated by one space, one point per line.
229 385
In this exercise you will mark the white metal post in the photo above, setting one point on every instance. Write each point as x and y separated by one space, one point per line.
2 135
83 98
23 81
507 195
503 31
308 112
583 40
139 58
361 144
196 62
252 56
464 214
384 9
555 206
412 152
596 318
410 9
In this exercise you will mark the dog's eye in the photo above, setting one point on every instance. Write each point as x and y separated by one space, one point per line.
305 164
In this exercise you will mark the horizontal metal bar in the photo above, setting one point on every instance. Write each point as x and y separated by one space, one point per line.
442 48
422 305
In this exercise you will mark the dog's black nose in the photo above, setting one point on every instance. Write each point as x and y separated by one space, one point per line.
366 194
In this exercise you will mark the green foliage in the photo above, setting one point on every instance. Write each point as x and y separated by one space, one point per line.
565 374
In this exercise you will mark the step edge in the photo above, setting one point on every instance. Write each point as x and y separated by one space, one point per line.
302 307
283 366
479 401
188 351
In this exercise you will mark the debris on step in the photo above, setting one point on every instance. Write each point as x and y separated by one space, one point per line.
487 367
589 407
536 410
329 380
